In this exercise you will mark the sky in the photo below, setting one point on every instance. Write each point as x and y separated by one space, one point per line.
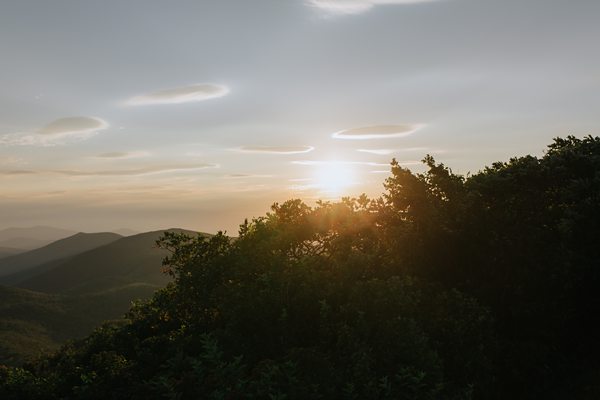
148 114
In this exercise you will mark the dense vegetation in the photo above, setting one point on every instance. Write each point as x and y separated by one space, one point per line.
447 287
35 323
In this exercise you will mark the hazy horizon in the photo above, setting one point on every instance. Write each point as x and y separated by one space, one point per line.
147 115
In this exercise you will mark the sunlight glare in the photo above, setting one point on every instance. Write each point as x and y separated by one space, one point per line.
334 178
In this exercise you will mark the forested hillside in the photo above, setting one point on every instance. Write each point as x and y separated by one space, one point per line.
446 287
18 267
67 289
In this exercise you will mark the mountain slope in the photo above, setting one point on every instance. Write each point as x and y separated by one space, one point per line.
60 249
125 231
24 243
9 251
127 261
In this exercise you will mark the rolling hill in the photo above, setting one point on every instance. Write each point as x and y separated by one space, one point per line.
125 231
58 250
130 260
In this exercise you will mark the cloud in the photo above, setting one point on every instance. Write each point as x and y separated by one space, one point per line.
391 151
59 131
116 172
377 132
73 126
242 176
23 139
138 171
16 172
123 154
356 6
377 151
276 149
180 95
313 162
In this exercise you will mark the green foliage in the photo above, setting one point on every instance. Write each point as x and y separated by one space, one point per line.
445 288
34 323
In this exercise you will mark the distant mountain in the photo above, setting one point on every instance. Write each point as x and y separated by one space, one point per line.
125 232
32 237
25 244
9 251
58 250
131 260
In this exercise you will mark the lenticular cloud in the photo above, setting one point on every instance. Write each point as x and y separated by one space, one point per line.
356 6
376 132
123 154
73 126
276 149
180 95
57 132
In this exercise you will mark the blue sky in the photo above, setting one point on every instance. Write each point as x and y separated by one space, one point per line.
151 114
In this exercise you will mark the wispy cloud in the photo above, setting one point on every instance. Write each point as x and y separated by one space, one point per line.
276 149
313 162
123 154
59 131
73 126
138 171
356 6
377 132
115 172
410 162
244 176
391 151
16 172
186 94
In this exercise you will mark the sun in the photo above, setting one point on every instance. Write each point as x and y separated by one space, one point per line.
334 178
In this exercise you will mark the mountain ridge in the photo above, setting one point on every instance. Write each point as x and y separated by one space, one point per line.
128 260
59 249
